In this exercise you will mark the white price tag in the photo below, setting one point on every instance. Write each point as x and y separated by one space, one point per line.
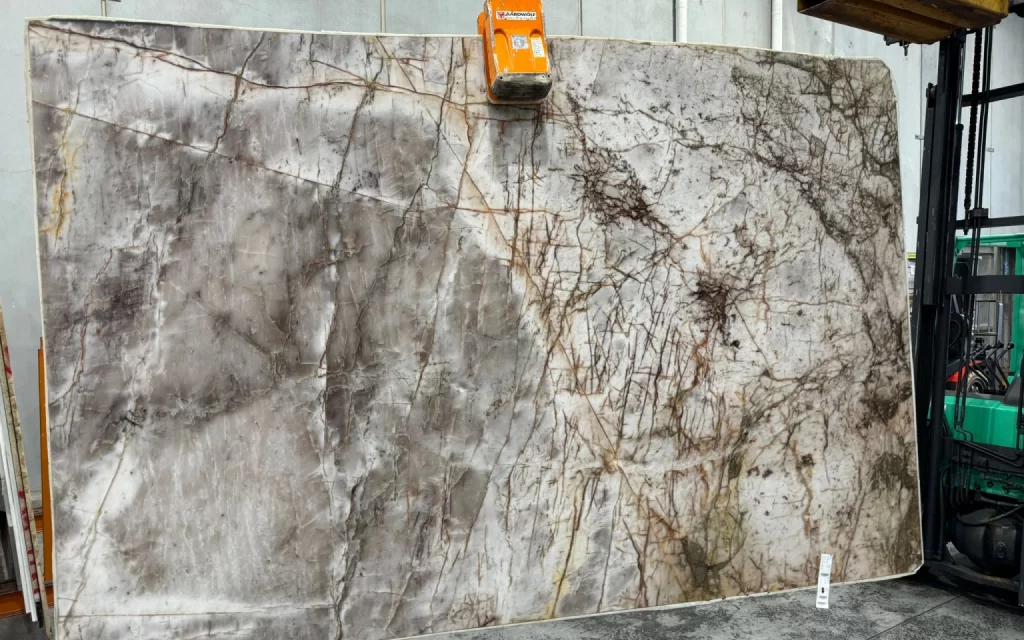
824 577
538 47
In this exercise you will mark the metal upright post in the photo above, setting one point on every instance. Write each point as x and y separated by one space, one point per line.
935 249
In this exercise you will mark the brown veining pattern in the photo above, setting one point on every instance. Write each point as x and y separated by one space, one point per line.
338 349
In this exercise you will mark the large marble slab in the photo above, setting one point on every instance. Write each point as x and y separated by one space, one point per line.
337 349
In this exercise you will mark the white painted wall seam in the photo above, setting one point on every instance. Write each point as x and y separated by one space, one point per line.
682 10
777 13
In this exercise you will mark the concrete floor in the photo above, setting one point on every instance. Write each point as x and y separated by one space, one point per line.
894 610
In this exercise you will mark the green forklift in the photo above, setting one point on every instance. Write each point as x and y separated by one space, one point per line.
982 460
967 326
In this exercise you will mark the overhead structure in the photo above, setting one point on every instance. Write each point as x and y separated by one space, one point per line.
909 21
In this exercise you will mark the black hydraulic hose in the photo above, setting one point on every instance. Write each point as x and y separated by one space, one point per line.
972 128
996 518
973 224
960 398
983 124
997 356
992 362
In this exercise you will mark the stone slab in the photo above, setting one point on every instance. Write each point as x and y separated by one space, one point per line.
335 348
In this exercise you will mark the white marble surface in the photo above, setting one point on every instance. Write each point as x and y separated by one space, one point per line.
337 349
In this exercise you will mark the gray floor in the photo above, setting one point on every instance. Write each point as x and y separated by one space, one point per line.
895 610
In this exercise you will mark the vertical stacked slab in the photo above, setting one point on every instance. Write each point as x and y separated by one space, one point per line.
26 561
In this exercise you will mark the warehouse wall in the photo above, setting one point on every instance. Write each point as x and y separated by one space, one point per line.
1004 181
735 22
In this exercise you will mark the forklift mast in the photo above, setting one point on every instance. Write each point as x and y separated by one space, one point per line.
958 509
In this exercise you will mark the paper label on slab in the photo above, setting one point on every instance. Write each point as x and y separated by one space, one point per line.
519 42
515 15
824 577
538 47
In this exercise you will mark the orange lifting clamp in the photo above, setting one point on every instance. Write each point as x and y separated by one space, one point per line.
515 51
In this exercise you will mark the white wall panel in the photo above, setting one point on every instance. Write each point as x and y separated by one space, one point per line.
705 21
561 17
638 19
310 15
805 34
1005 181
432 16
749 23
